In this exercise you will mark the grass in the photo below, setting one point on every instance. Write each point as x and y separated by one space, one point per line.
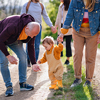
10 51
99 45
77 93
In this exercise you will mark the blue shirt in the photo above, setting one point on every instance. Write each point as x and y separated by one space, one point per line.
76 12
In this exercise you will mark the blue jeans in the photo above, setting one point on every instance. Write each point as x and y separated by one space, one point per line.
17 47
37 44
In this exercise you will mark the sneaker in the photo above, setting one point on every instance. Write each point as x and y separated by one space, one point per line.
67 62
25 86
9 91
76 82
87 83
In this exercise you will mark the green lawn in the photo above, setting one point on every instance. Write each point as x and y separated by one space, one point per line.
77 93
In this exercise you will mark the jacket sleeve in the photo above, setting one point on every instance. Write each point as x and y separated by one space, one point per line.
31 51
57 19
23 10
43 59
69 16
46 17
99 24
4 35
58 48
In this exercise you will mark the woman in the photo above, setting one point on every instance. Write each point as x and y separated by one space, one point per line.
63 9
85 15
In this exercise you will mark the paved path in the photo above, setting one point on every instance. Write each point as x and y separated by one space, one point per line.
41 81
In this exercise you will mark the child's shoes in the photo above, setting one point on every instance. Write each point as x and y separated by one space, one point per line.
59 85
52 86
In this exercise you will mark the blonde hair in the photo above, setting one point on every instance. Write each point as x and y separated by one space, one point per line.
90 5
48 39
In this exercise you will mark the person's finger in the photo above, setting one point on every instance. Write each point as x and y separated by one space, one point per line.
15 61
39 69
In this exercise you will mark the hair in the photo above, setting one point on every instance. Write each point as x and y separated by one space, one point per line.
66 4
48 39
90 5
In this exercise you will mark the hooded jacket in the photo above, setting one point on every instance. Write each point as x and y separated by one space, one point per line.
10 29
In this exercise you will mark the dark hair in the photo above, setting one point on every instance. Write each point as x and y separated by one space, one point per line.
66 4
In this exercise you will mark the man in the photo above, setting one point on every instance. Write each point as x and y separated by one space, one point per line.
36 9
14 31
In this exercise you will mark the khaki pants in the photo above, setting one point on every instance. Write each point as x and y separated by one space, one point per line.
80 39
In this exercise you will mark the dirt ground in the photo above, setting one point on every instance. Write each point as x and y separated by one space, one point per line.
41 81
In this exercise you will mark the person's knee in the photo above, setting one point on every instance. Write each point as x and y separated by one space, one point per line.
22 56
4 63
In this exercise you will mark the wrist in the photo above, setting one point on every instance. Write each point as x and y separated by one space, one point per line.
8 56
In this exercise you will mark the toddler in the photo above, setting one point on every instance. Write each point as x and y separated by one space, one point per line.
52 56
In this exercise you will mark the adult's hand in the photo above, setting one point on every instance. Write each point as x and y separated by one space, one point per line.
12 59
98 41
39 62
53 29
36 68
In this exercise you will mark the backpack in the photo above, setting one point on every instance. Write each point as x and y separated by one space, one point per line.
28 4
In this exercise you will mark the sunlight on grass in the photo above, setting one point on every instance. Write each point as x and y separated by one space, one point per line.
79 92
87 93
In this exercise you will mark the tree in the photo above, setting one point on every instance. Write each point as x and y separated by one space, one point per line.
9 7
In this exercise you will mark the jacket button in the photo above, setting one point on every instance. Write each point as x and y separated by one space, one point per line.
96 11
80 20
82 13
78 25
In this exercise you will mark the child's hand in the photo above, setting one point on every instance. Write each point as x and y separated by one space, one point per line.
39 62
60 38
36 68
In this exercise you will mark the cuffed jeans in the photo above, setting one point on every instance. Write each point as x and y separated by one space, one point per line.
37 44
17 47
80 39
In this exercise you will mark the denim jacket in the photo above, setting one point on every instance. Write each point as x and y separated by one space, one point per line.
75 15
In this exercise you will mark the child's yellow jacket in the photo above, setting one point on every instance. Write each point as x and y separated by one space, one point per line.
57 52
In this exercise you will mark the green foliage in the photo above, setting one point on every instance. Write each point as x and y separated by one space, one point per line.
48 32
54 5
10 51
52 10
99 45
59 92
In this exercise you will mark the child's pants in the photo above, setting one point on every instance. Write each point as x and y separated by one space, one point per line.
55 70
